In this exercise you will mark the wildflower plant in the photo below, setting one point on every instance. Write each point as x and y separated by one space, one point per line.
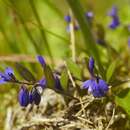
95 85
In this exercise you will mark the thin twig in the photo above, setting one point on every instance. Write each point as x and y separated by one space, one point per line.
83 119
111 120
78 113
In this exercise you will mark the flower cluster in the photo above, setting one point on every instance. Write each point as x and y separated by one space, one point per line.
26 96
115 18
89 16
68 19
97 86
34 96
7 76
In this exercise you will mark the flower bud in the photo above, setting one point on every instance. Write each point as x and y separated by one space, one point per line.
23 96
34 96
67 18
41 60
91 65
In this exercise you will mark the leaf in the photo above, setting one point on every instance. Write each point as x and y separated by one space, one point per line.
110 70
118 82
123 99
49 77
25 73
74 69
64 79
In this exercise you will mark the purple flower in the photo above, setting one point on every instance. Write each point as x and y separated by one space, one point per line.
91 66
23 96
113 11
34 97
89 15
115 19
114 23
67 18
41 60
7 76
42 82
96 86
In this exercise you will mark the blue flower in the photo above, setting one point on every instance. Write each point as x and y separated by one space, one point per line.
113 11
115 19
42 82
96 86
114 23
7 76
89 15
67 18
34 97
23 96
41 60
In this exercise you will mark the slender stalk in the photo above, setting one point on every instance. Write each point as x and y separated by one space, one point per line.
22 82
72 40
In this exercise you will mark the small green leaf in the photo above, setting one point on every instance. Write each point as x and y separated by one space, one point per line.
74 69
25 73
118 82
64 79
110 70
49 77
123 99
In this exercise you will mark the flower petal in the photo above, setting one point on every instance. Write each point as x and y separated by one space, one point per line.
42 82
2 81
9 70
87 84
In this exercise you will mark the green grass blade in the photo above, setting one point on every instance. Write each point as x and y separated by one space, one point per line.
32 4
12 4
